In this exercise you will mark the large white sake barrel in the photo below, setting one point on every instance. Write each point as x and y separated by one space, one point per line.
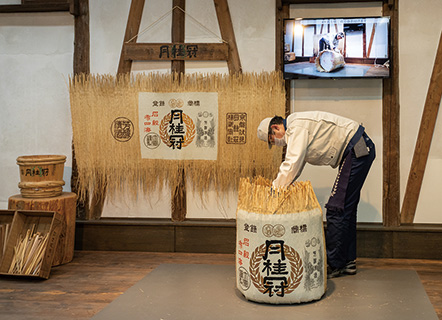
280 247
329 60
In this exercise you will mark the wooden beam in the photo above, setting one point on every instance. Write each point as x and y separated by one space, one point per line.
44 1
179 203
74 7
390 128
228 35
34 7
176 51
178 31
282 12
423 142
364 42
132 29
82 39
81 66
373 30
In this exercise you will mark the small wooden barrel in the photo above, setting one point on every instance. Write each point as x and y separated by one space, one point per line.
41 176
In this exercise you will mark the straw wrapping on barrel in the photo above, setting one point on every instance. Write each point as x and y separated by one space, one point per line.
257 195
279 227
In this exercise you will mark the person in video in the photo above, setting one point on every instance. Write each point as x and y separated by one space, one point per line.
330 41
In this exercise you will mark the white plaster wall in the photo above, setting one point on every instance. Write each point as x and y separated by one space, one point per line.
36 52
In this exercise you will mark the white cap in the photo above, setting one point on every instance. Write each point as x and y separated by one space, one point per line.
263 131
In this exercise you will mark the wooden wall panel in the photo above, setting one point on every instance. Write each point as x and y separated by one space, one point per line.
198 236
374 243
205 239
114 237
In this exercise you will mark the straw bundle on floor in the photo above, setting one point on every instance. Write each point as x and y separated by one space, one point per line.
256 195
28 253
96 101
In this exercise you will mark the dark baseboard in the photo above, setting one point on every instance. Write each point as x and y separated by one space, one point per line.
219 236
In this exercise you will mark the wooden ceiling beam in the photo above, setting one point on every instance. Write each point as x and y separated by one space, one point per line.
35 7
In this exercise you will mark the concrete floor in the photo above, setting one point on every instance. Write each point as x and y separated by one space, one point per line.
199 291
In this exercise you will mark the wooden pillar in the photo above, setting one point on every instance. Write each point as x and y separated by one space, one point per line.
178 31
282 12
179 204
81 37
80 9
390 126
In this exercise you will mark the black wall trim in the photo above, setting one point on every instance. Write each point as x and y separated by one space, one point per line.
422 241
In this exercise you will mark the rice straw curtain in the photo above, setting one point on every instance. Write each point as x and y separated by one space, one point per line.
103 159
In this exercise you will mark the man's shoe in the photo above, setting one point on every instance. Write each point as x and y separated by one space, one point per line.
333 273
350 268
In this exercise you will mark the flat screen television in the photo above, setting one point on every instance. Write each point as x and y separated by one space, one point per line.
337 48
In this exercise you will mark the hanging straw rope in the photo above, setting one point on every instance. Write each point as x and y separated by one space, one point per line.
165 15
96 101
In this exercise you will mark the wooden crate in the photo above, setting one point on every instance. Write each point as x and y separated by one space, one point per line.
6 217
65 204
45 222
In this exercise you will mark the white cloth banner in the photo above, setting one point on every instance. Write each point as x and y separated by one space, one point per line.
178 125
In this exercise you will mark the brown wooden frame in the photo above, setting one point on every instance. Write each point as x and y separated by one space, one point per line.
226 51
41 6
390 104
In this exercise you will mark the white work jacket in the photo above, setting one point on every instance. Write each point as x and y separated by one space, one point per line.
314 137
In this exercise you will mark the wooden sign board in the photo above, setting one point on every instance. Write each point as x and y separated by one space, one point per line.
175 51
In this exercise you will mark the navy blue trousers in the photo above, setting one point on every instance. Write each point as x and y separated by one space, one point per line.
341 225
